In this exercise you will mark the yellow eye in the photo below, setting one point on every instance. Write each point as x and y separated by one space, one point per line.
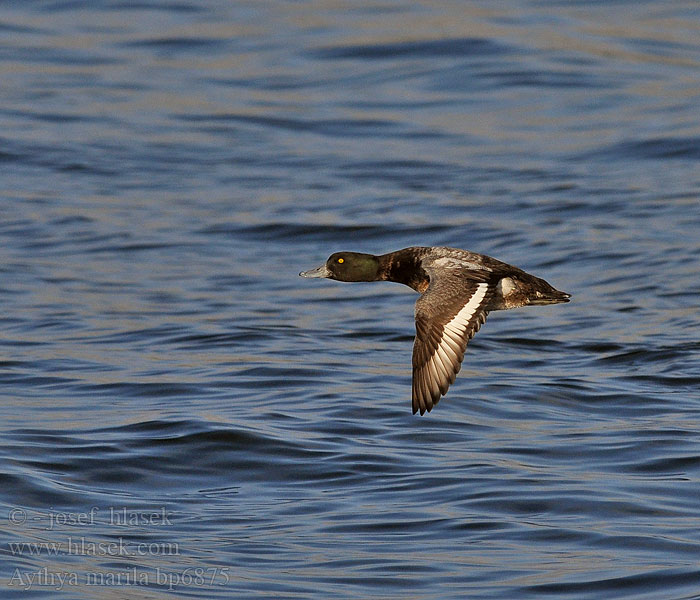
341 260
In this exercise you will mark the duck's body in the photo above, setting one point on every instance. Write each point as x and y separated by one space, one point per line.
458 289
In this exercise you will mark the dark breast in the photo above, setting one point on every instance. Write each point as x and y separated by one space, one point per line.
405 267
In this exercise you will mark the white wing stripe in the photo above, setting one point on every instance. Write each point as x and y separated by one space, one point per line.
461 319
453 331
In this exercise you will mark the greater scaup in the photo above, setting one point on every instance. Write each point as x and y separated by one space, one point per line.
458 290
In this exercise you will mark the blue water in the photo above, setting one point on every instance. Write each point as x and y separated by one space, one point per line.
182 416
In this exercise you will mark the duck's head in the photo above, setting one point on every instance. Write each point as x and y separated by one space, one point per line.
347 266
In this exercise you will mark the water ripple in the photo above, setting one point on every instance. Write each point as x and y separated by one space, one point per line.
170 167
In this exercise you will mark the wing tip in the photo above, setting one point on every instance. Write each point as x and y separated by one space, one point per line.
424 404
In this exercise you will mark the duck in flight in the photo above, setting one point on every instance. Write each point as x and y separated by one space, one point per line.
457 291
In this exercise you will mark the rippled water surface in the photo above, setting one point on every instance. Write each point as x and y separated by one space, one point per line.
183 416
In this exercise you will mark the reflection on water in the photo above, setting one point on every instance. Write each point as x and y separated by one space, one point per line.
169 168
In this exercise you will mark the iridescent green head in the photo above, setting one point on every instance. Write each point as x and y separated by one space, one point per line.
347 266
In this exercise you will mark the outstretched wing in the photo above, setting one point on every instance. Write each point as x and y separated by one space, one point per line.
448 315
